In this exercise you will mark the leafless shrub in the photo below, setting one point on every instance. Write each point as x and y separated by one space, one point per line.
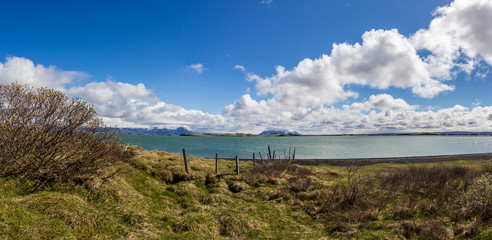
45 137
355 186
428 190
477 200
354 191
422 180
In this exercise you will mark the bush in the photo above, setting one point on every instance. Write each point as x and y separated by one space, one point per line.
477 200
425 181
45 137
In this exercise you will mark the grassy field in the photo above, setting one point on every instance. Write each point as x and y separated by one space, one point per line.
151 197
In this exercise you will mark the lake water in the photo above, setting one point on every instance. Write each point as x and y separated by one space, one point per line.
316 147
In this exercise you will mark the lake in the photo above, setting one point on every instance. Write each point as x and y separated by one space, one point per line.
316 147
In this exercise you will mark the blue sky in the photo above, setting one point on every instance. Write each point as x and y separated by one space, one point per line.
372 66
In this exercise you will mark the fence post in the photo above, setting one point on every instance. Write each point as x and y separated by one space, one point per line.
185 162
261 158
269 154
253 160
237 165
216 164
294 155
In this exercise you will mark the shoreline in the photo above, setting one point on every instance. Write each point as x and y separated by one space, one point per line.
371 161
418 159
475 134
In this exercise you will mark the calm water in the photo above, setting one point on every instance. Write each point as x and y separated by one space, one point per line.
316 147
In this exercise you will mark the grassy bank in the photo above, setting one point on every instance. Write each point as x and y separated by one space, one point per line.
152 197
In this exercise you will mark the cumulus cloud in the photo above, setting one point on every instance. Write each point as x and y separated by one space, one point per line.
384 59
380 113
266 2
383 102
24 71
198 67
304 97
118 103
130 105
457 40
459 31
127 104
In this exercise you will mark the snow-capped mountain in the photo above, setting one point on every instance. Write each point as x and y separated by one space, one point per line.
158 131
282 131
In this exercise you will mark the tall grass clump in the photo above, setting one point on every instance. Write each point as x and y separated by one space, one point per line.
47 137
274 172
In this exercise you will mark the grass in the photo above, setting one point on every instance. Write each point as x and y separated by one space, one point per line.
153 198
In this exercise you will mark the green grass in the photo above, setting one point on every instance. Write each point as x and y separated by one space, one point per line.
153 198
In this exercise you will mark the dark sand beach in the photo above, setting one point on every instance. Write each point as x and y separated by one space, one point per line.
419 159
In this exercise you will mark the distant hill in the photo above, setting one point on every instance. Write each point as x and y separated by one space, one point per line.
280 132
465 133
157 131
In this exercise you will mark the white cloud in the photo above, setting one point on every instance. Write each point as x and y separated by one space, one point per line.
266 2
380 113
24 71
457 40
383 60
477 102
197 67
240 67
459 31
302 98
118 103
129 105
126 104
383 102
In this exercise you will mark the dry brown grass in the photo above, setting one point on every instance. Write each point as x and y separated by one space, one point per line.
275 172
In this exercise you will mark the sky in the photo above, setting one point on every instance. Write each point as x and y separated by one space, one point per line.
316 67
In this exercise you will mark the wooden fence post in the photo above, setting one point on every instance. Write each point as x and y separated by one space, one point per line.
269 154
261 158
294 155
237 165
253 160
185 162
216 164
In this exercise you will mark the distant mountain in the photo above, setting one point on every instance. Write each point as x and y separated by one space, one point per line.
281 132
157 131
